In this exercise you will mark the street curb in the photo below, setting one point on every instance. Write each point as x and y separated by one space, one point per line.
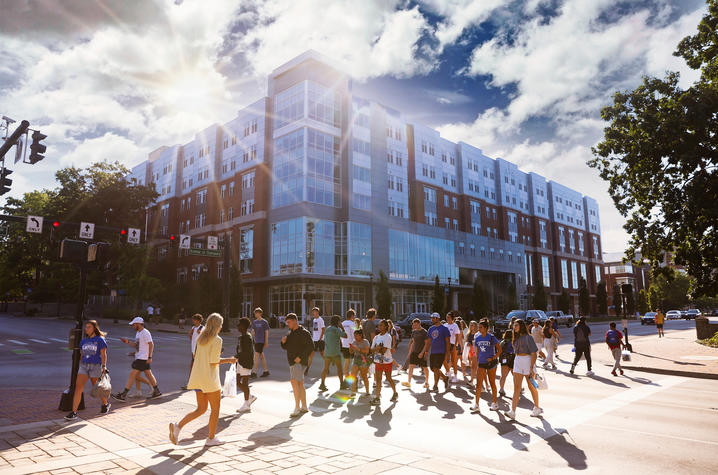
672 372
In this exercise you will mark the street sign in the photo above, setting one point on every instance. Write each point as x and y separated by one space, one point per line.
34 224
212 243
185 241
205 253
133 236
87 230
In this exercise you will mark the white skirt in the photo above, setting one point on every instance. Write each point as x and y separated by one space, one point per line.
522 364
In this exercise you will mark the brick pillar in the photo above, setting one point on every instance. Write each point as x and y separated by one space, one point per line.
702 328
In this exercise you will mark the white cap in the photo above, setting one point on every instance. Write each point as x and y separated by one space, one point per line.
436 315
137 320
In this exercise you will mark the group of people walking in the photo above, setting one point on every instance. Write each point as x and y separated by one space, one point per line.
356 349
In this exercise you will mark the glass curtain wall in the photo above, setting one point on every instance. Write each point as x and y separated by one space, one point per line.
415 257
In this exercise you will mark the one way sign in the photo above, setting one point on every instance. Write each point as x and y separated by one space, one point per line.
87 230
133 236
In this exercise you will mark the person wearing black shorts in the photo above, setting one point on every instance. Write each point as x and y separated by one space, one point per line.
438 347
417 352
488 351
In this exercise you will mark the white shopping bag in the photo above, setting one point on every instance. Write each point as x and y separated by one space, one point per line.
371 369
230 382
541 381
626 355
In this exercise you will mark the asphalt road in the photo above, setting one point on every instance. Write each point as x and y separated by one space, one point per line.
639 423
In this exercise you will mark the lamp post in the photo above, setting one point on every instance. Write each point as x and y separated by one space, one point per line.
625 290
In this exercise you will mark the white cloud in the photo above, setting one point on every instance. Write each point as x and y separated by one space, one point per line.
108 147
459 15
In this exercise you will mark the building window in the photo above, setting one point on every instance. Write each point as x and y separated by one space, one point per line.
361 173
231 188
247 207
545 271
564 273
324 104
248 180
574 275
430 218
246 250
289 105
429 194
360 201
454 202
223 190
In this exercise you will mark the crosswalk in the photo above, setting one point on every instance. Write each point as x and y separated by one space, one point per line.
22 345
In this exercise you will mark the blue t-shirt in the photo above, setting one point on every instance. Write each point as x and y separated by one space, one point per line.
485 347
91 348
260 326
438 335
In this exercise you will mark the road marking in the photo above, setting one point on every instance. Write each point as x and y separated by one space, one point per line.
22 352
40 341
655 434
57 340
18 342
506 445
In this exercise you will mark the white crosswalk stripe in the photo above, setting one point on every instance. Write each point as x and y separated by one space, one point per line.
18 342
57 340
40 341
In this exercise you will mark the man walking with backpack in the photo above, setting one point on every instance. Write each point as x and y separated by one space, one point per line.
614 340
581 334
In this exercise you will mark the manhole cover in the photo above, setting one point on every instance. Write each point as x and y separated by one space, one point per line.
700 358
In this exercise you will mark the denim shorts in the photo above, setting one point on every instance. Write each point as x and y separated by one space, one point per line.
90 369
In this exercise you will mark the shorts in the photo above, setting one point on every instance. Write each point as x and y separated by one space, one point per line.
522 364
333 359
362 363
416 361
140 365
452 347
659 325
242 371
259 347
92 370
296 372
489 365
345 353
383 368
436 360
319 345
508 360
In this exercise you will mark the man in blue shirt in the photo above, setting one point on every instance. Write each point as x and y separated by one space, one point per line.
437 346
260 329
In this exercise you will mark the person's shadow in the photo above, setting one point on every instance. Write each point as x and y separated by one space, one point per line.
381 420
354 411
610 382
275 435
449 408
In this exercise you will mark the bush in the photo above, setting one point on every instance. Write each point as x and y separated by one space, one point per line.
712 341
31 311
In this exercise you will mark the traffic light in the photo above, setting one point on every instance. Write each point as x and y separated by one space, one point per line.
37 149
123 232
173 240
14 137
56 224
5 182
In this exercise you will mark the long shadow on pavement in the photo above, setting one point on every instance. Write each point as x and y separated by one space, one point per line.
381 420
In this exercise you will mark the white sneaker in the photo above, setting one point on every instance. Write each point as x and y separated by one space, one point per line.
244 408
589 373
494 407
511 414
453 379
297 412
252 398
214 442
174 432
134 393
475 409
536 412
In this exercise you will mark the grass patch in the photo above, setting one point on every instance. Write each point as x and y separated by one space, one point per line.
712 341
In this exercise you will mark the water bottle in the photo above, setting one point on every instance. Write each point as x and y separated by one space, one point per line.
573 350
533 382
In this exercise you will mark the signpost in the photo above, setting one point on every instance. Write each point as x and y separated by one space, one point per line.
34 224
185 241
133 236
205 252
212 243
87 230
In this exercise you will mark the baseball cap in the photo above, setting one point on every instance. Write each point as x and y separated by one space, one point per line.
137 320
435 315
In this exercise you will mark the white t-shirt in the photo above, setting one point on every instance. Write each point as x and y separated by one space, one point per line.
144 338
195 334
453 331
150 310
349 328
318 325
382 358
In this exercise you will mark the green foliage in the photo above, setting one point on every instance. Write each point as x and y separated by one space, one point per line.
564 302
383 296
712 341
617 302
584 302
540 297
602 298
660 158
479 302
642 303
437 297
669 292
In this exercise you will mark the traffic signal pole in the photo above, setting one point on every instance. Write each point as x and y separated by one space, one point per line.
69 394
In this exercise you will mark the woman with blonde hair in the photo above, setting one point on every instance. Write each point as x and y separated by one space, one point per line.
204 379
92 365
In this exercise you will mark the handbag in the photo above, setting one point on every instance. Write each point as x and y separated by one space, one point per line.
626 355
230 381
541 382
103 386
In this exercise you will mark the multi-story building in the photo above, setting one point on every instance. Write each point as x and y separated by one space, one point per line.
619 272
319 190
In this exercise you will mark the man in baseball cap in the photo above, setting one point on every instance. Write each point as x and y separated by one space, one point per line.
143 359
438 345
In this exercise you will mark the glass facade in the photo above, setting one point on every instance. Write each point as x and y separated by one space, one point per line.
317 246
414 257
288 168
289 105
545 272
323 168
246 250
574 275
564 273
331 299
405 301
324 104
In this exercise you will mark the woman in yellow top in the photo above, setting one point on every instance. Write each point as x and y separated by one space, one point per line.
204 379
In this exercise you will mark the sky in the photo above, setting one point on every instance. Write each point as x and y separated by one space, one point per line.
523 80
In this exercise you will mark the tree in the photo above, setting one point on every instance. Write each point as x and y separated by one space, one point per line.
617 302
670 291
511 300
437 298
602 298
642 304
584 302
660 157
478 300
564 302
383 296
540 297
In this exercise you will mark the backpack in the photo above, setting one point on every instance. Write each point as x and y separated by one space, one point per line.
580 334
612 338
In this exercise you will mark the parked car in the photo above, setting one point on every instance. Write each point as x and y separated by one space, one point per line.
691 314
405 323
561 318
501 325
673 315
649 318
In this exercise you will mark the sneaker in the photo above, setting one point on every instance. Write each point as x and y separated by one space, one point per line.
253 375
213 442
244 408
394 398
408 385
155 393
571 370
446 382
174 432
297 412
119 396
265 374
134 393
614 373
621 371
453 379
435 388
251 400
553 366
536 412
343 386
502 393
375 401
71 416
322 387
304 410
475 409
589 373
494 407
426 385
511 414
105 408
